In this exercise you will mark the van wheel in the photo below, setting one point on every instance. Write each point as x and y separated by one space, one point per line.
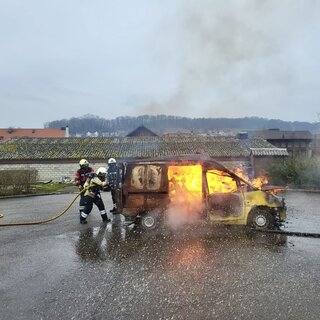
262 219
150 221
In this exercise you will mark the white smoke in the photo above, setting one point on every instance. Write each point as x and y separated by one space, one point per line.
182 211
238 56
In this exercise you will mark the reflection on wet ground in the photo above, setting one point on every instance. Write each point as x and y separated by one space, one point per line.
181 274
116 242
303 212
192 243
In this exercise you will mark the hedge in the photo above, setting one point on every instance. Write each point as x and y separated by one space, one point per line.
17 181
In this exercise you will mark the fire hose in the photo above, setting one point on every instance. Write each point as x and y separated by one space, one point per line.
56 216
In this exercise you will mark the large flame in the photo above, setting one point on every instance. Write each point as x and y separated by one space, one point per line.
185 193
185 181
186 189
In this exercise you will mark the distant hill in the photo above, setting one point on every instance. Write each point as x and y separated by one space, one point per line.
161 124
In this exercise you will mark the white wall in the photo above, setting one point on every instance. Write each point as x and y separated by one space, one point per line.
56 172
64 172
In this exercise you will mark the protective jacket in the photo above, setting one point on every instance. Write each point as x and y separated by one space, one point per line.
81 175
94 186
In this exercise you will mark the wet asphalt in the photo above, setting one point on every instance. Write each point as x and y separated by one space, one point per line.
64 270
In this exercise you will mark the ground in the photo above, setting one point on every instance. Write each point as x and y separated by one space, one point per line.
64 270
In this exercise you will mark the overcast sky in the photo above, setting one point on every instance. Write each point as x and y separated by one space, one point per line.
202 58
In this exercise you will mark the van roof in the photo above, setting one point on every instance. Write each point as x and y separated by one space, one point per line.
203 159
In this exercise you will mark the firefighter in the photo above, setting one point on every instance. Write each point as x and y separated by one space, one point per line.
94 184
80 178
112 178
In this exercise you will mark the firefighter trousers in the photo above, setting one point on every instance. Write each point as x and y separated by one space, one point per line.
86 205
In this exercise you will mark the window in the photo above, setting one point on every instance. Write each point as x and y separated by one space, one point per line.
146 177
220 182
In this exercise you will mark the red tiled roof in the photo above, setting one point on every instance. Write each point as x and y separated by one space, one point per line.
6 134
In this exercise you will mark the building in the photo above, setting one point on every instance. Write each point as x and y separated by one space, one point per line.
297 143
316 145
142 131
57 158
9 133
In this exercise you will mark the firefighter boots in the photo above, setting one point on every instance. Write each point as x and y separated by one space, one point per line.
83 220
105 218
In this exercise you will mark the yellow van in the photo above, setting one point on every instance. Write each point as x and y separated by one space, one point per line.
183 190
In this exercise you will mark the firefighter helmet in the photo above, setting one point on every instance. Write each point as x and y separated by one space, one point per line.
112 160
101 171
83 163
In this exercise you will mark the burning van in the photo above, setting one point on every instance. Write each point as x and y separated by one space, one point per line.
183 190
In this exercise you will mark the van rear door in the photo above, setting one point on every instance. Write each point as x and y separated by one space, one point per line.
145 187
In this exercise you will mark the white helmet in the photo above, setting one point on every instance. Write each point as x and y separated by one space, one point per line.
83 162
101 171
112 160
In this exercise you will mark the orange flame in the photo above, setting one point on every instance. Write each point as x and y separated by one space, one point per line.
257 182
186 190
186 181
219 182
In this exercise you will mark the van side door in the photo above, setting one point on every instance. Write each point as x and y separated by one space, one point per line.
225 196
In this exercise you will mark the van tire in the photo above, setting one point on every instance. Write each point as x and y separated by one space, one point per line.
261 218
150 220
